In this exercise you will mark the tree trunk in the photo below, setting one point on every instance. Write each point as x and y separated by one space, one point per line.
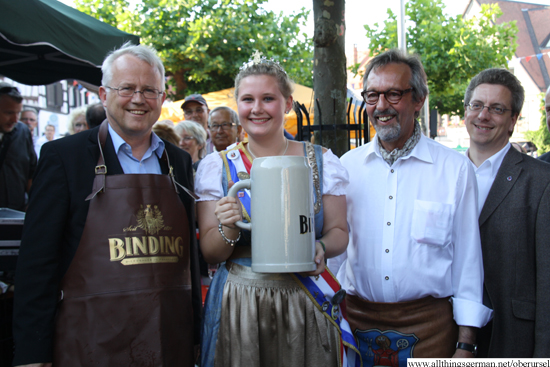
181 84
330 79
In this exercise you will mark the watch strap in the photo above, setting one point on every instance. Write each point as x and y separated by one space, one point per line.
469 347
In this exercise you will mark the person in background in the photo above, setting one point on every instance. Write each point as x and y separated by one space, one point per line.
165 130
224 127
413 269
29 116
17 156
196 109
192 139
77 120
95 115
514 213
49 135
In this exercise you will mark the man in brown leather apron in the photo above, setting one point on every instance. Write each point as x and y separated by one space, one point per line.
108 271
413 269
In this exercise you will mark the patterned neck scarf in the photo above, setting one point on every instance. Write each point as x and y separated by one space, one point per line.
391 157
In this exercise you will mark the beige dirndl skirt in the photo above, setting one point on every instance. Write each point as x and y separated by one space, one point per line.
267 320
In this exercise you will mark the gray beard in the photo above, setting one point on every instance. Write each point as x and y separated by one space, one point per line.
388 133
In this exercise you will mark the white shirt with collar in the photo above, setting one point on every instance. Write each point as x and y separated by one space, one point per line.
486 173
413 230
149 163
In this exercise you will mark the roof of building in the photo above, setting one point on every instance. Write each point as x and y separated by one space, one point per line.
533 36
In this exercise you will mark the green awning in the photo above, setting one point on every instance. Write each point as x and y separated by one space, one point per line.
44 41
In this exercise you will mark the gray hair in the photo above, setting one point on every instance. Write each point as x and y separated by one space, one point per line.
80 111
196 130
286 85
30 109
418 82
145 53
233 116
502 77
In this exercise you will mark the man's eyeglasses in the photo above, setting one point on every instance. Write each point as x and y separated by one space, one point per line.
198 111
147 93
393 96
494 110
225 126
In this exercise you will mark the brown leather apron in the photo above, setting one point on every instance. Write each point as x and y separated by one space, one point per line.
389 333
126 297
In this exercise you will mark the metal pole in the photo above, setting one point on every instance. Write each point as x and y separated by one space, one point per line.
427 115
401 31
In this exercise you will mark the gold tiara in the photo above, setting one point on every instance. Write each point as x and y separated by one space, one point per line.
258 58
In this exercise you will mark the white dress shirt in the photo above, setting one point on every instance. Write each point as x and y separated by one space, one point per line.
486 173
413 230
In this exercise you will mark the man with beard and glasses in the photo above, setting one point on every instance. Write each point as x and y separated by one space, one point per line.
413 270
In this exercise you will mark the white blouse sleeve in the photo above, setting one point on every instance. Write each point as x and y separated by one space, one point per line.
208 179
335 176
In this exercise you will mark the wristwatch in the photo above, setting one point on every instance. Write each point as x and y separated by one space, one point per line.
469 347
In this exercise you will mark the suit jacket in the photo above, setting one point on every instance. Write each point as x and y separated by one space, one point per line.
53 226
515 239
17 167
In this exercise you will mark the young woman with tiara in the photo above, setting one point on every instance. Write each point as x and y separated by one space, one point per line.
256 319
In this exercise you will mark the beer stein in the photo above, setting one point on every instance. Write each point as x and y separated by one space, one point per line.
282 225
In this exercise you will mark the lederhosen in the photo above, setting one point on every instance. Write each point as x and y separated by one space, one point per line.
126 297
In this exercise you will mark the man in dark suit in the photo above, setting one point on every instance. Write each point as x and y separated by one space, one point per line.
107 271
514 205
546 156
17 157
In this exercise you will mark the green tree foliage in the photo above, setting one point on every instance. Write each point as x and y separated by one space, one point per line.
204 42
452 49
540 137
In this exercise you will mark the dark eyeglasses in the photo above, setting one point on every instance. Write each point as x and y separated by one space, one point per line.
494 110
393 96
130 91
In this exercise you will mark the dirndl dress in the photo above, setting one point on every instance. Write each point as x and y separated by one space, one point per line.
256 319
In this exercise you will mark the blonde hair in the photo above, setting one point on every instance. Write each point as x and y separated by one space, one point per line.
196 130
80 111
165 130
271 68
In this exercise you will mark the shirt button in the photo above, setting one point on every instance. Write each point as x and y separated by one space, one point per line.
391 197
392 171
389 224
387 278
387 250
